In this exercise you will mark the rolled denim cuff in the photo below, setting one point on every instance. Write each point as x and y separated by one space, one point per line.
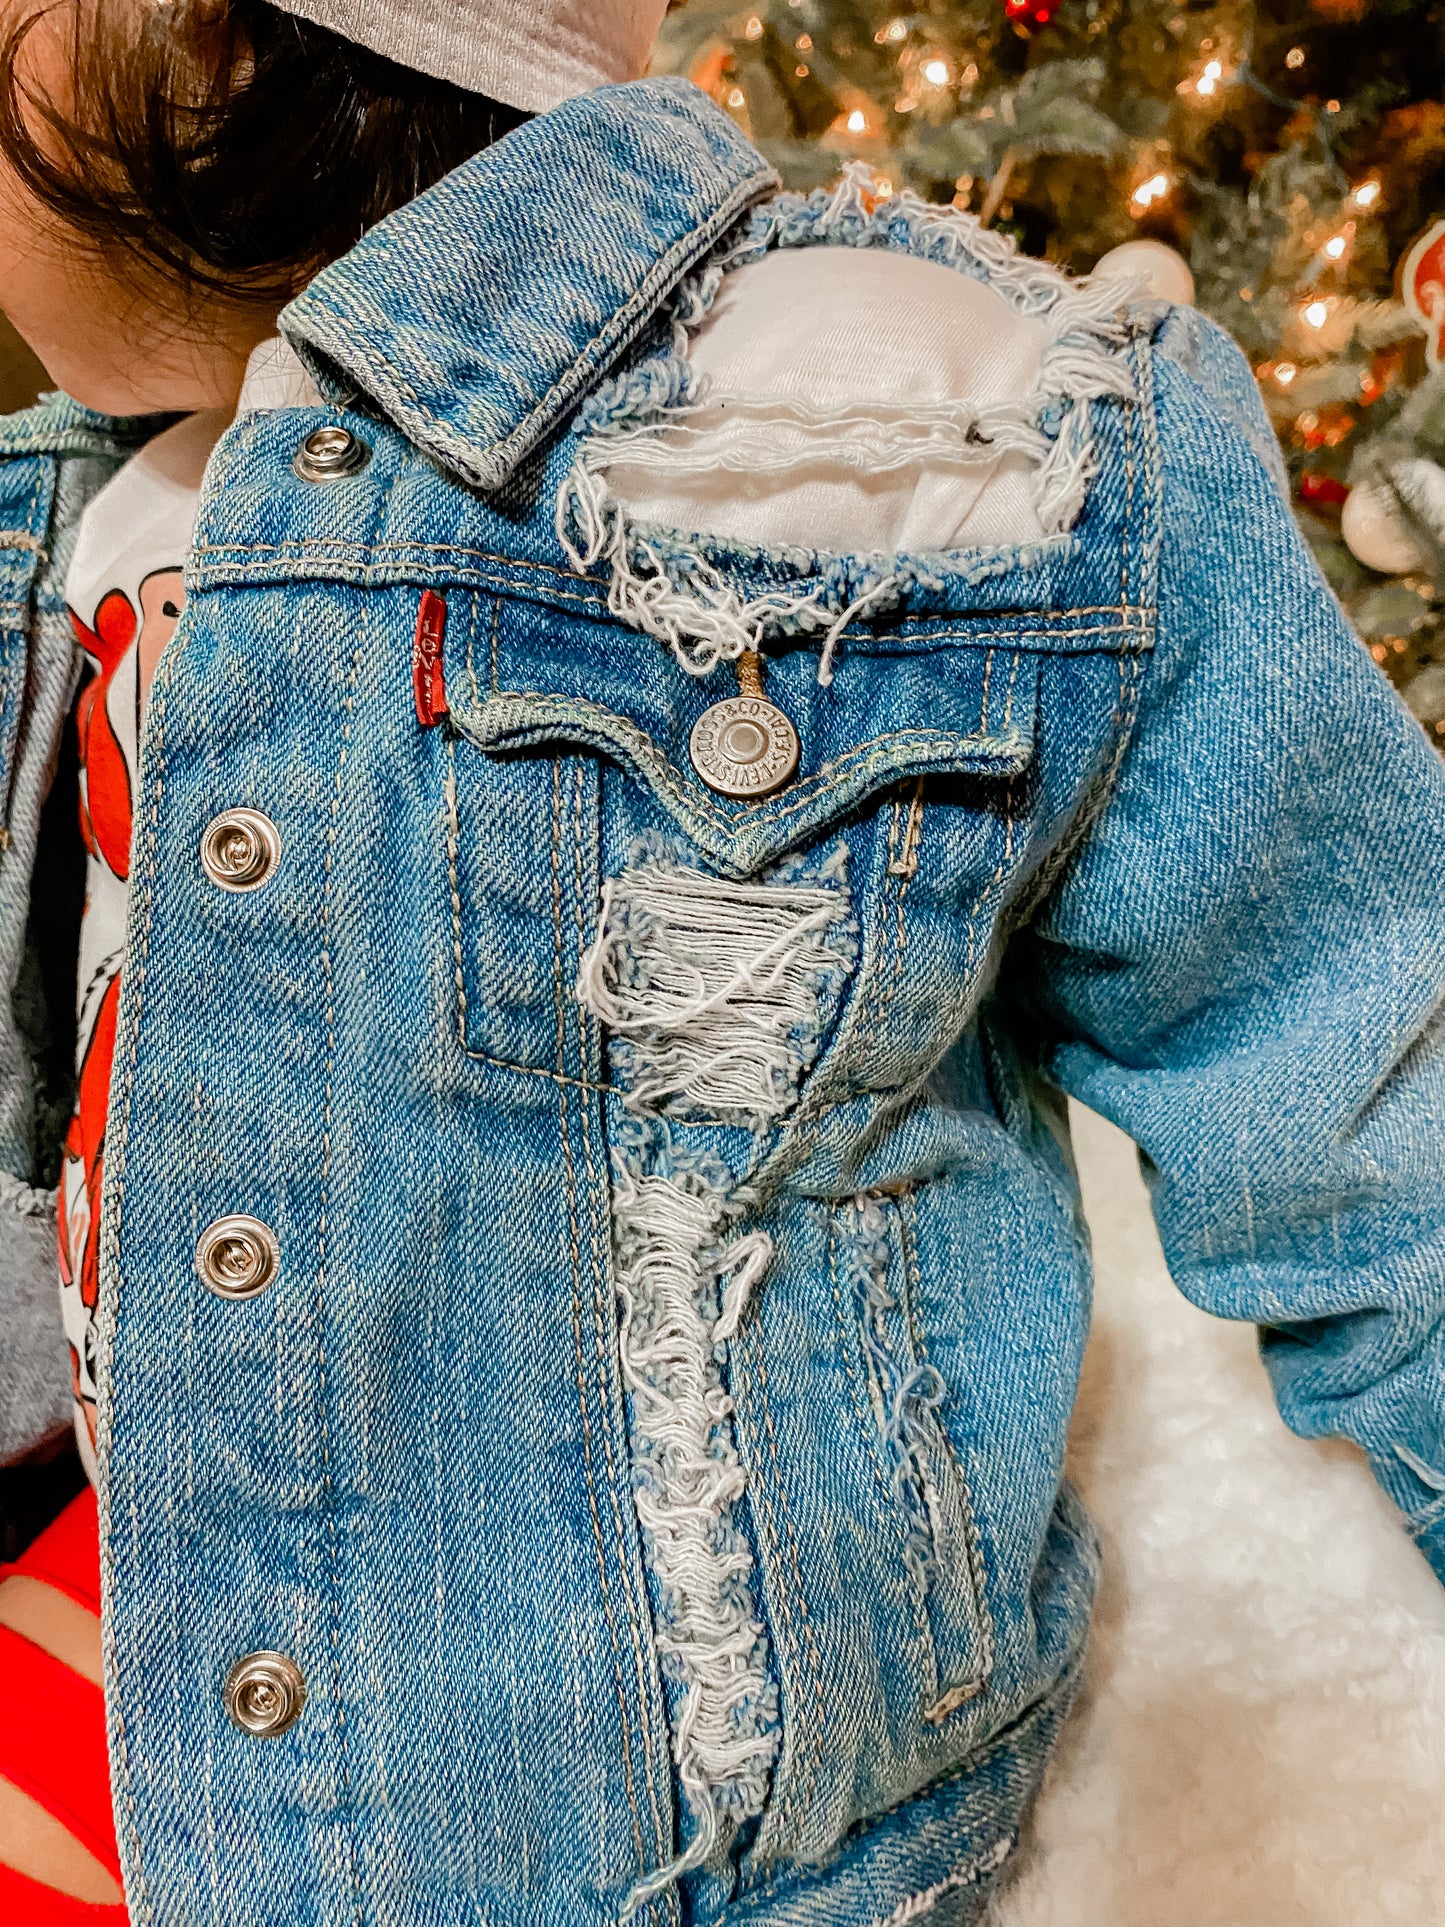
34 1372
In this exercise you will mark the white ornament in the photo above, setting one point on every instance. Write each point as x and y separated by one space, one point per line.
1156 269
1376 533
1421 486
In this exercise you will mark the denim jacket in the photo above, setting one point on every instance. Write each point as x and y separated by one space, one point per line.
614 1466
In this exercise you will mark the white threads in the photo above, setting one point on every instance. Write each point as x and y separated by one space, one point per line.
687 1477
880 592
921 1905
741 434
743 1265
713 987
703 622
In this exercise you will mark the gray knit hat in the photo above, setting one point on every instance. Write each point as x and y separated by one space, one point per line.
528 53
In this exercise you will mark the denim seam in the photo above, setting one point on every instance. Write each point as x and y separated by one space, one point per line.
815 1667
1132 629
496 641
913 1281
141 913
808 1121
322 1249
320 548
451 832
861 760
602 1288
575 1247
981 1867
16 669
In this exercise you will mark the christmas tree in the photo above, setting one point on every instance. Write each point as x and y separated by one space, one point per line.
1283 165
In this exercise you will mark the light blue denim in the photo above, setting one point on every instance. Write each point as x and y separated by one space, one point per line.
1128 814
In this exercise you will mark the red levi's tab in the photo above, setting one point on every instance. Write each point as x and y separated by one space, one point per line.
428 675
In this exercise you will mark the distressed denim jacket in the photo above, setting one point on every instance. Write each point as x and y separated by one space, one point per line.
628 1421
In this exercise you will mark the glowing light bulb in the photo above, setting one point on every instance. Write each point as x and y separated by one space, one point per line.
1285 372
857 121
1336 246
895 31
1316 314
1295 57
1367 193
737 98
754 28
936 73
1150 191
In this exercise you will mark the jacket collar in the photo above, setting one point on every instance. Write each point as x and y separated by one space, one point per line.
477 317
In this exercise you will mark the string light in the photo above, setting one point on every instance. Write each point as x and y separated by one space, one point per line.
1367 193
896 30
737 98
936 73
1336 245
804 43
1285 372
1295 57
1210 78
1316 313
1150 191
754 28
857 121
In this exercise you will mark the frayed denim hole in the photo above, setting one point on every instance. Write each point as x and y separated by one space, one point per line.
656 414
682 1288
903 1394
718 996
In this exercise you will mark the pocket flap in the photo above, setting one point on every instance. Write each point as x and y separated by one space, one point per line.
899 706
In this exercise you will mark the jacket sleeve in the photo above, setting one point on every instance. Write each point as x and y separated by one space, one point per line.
1244 964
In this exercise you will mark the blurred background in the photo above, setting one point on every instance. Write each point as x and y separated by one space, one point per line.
1281 165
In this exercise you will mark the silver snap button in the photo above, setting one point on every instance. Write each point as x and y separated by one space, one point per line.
240 849
329 455
237 1257
264 1694
745 746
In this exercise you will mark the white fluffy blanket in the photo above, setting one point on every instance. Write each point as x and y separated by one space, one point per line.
1261 1740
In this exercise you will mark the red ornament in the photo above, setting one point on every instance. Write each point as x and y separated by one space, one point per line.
1031 13
1423 287
1322 489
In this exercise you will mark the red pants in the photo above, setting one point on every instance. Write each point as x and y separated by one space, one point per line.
52 1729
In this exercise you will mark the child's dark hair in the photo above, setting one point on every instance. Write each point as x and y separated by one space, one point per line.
230 145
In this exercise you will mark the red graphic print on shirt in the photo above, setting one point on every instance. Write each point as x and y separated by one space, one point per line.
123 646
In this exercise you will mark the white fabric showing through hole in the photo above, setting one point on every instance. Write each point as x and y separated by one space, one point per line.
847 330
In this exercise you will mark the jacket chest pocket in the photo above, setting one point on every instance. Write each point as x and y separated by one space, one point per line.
745 958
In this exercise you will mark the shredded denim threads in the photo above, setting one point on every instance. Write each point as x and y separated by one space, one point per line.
669 1216
660 416
717 994
907 1394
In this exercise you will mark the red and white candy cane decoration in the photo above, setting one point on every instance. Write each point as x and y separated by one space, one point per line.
1424 289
